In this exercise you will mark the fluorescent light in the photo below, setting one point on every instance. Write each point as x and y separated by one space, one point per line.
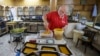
31 0
1 0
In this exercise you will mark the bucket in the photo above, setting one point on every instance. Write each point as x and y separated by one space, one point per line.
77 34
58 33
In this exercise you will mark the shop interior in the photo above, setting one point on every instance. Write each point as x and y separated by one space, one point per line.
22 32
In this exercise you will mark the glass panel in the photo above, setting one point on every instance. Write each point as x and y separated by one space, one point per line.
20 11
31 11
45 9
38 10
26 12
97 21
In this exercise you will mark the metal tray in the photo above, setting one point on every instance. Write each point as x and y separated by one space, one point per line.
30 45
63 49
27 50
47 53
48 48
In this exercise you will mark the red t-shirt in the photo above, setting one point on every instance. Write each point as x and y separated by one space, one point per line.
55 21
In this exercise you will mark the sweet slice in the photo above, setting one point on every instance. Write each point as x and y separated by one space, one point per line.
31 45
28 50
48 48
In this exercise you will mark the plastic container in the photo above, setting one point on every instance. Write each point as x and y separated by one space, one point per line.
58 33
77 34
45 35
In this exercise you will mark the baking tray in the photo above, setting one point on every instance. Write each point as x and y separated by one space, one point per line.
63 49
47 48
27 50
30 45
32 54
48 53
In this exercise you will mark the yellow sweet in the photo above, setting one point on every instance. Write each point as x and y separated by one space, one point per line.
48 54
31 45
64 50
48 49
28 50
46 32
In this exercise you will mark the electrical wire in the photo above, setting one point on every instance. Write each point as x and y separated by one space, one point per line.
18 50
15 49
17 44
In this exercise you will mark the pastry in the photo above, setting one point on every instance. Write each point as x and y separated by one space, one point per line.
29 50
31 45
48 54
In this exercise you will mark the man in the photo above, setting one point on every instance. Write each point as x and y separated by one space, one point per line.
56 19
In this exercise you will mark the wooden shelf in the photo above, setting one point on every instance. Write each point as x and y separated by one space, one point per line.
91 2
78 7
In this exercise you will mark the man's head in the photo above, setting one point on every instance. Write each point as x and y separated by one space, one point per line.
62 10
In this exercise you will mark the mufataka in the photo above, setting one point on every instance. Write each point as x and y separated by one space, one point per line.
28 50
31 45
48 49
46 32
48 54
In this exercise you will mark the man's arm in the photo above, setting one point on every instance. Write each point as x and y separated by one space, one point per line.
45 22
66 23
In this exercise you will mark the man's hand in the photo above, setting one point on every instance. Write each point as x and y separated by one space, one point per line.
46 26
45 22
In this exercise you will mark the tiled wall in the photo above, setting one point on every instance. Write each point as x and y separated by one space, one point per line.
85 10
